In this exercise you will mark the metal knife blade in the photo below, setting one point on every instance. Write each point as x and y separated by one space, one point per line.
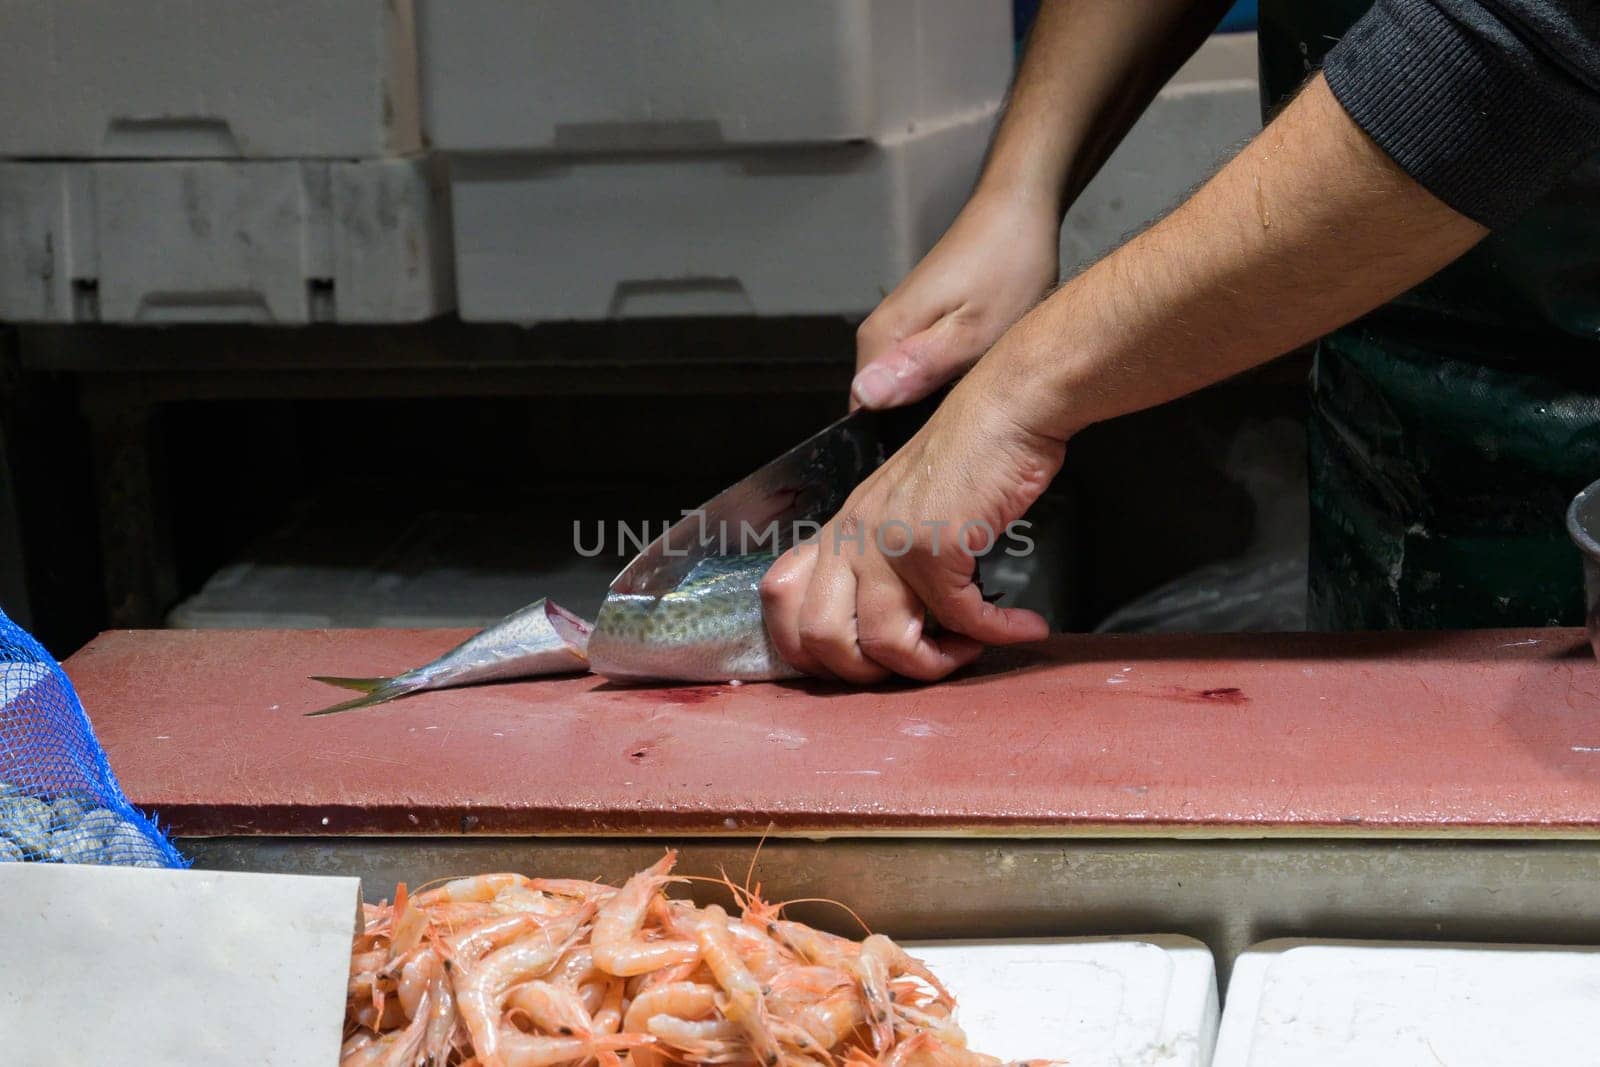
761 512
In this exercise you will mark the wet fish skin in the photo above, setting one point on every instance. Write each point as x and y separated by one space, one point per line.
709 628
542 638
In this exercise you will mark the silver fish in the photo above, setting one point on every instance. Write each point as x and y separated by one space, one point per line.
542 638
708 628
674 614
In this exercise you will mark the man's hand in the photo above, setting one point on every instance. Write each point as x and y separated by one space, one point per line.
1090 68
991 266
857 602
1310 226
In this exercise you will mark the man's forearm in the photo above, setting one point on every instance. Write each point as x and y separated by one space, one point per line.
1090 69
1308 228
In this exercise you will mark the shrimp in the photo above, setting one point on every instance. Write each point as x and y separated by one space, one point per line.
678 972
355 1044
939 1025
395 1049
379 1017
608 1017
832 1019
520 898
502 970
360 985
416 977
410 924
368 962
452 915
617 945
745 1004
700 1038
762 954
575 968
871 969
787 994
925 1050
685 1000
879 961
470 944
539 1050
811 978
591 996
552 1008
573 887
441 1025
480 992
481 888
813 946
902 963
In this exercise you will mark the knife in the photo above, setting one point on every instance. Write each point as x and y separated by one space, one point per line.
807 484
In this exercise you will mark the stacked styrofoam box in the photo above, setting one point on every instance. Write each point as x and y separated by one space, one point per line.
1357 1003
216 160
613 159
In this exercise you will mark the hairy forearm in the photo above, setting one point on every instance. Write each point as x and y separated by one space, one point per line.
1308 228
1090 69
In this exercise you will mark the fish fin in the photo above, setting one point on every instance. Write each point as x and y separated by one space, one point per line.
360 685
380 694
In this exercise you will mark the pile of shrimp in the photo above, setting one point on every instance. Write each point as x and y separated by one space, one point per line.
501 970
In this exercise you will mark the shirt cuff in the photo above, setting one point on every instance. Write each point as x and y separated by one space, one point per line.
1460 111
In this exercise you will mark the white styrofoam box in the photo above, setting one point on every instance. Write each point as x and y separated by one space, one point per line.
208 241
1410 1004
773 231
1104 1001
1209 108
607 75
161 79
110 965
428 569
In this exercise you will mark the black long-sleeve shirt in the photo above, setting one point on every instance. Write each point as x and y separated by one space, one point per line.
1486 103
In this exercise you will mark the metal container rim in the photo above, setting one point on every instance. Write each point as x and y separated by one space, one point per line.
1581 536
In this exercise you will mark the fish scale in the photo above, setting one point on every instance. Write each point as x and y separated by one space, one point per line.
708 629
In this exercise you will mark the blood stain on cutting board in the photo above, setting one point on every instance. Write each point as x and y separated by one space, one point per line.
1227 694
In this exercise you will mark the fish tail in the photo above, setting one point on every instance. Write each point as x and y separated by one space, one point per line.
374 690
360 685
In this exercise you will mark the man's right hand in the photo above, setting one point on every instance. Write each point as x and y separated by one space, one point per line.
1089 69
996 261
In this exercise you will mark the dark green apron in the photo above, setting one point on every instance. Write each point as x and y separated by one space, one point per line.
1450 428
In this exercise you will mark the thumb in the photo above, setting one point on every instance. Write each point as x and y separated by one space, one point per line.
969 614
918 365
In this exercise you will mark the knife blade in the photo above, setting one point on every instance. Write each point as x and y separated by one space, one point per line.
767 510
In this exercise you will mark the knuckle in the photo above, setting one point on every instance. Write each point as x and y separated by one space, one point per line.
819 638
916 361
874 331
772 588
883 644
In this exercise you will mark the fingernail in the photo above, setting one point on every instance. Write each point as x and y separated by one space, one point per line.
873 387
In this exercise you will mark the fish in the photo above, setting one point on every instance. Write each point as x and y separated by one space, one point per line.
540 639
675 613
707 628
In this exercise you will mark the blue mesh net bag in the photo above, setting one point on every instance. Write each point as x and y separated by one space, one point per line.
58 799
